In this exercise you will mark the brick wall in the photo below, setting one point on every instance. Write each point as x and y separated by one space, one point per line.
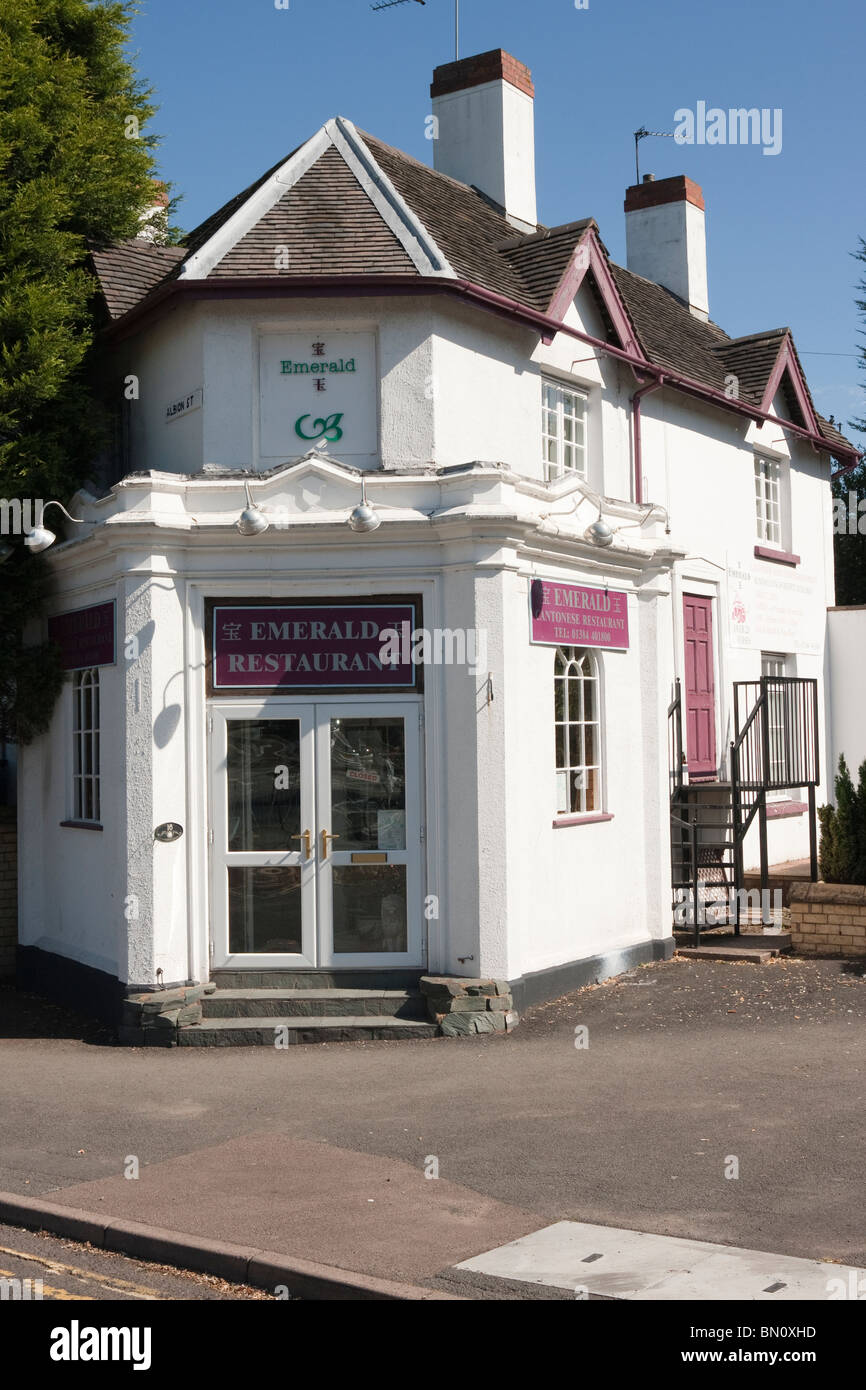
8 890
828 919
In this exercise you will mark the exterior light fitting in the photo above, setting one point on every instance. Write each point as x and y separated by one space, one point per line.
40 538
364 517
599 533
252 521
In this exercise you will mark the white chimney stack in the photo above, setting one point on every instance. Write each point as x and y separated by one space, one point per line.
666 239
484 130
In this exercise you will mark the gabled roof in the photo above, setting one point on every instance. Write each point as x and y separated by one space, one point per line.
325 224
344 206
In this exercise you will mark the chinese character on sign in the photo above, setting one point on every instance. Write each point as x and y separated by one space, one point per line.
318 349
320 384
231 632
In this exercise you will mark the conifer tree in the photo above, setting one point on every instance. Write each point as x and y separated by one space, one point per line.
76 173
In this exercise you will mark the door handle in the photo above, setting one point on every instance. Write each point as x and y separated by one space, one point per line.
326 836
307 838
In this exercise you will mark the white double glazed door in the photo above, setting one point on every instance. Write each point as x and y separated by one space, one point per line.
316 834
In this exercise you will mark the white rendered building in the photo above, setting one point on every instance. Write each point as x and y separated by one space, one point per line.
585 491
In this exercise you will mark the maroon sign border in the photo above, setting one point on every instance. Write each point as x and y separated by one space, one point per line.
88 607
221 692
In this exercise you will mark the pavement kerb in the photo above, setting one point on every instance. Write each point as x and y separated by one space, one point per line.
263 1269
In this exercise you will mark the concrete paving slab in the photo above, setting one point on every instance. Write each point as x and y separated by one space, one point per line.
624 1264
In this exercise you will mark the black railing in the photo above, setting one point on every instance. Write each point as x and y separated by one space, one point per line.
775 749
676 760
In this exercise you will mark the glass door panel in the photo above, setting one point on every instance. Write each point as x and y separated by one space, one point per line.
370 835
264 776
264 870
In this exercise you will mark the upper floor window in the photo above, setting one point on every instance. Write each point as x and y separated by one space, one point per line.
578 731
768 499
563 423
85 745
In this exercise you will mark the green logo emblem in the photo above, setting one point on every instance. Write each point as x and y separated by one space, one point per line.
324 428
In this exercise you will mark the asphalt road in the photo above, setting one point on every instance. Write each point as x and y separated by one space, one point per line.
320 1151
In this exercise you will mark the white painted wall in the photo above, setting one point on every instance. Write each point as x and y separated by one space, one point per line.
847 662
577 891
72 881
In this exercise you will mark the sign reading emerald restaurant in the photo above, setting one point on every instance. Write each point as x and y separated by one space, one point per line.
308 645
572 615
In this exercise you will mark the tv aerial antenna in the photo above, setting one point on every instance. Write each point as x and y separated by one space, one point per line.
642 135
391 4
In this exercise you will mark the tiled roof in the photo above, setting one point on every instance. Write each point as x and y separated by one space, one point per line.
330 225
129 271
467 229
752 359
327 224
542 260
669 334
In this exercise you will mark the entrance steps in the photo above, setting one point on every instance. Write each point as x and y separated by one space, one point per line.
287 1011
726 946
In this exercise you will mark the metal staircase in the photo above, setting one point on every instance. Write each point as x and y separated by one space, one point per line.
775 749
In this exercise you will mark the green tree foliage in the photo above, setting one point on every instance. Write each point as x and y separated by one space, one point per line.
30 675
76 172
843 830
70 178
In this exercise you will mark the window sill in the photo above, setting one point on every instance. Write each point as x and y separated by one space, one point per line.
777 810
778 557
80 825
592 818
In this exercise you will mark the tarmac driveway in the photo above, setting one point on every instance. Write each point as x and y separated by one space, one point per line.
693 1071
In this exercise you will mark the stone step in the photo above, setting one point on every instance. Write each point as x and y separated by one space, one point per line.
261 1031
726 953
312 1003
317 979
775 943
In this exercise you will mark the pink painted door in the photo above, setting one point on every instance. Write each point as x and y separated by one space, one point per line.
700 686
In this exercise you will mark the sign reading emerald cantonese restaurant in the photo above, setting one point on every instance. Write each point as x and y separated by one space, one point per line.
308 645
572 615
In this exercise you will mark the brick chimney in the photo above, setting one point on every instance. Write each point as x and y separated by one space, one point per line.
485 130
666 239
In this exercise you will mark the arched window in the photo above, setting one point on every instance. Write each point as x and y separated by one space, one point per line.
576 716
85 734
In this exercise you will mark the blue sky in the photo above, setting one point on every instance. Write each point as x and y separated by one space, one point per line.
240 82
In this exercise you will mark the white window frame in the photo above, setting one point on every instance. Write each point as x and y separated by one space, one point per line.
581 796
86 770
769 496
558 418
